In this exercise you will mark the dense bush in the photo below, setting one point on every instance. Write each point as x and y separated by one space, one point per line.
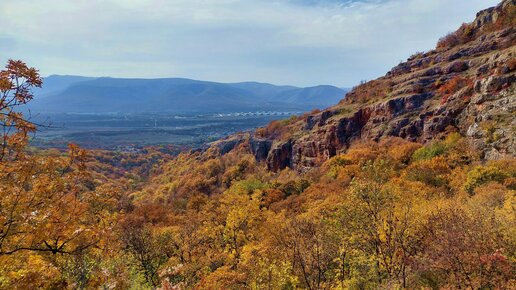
388 214
430 151
483 174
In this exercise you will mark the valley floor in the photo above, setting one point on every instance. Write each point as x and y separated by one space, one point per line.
119 131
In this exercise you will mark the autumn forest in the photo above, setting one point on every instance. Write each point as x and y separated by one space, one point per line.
332 199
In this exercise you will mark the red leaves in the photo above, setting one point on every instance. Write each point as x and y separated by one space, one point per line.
452 86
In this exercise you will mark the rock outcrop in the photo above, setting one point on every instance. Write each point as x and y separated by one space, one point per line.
467 85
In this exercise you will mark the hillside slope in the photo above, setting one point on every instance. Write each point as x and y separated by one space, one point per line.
55 84
392 214
466 85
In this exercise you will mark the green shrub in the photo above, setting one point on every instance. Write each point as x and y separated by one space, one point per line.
335 164
482 175
430 151
248 186
294 187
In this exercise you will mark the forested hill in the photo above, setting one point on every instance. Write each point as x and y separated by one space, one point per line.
106 95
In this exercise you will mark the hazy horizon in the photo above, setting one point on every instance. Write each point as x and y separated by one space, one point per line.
294 42
194 79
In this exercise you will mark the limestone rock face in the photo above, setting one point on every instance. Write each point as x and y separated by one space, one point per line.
260 148
280 156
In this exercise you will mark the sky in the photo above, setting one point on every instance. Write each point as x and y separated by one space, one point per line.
295 42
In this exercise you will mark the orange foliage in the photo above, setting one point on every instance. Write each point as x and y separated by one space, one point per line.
452 86
277 129
388 214
463 35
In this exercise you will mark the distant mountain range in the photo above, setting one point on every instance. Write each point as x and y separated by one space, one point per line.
76 94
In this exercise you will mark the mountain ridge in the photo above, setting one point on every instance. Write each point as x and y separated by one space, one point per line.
107 94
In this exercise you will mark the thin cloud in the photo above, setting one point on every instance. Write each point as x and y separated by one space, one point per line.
301 42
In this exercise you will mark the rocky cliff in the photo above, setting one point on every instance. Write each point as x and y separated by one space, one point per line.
467 84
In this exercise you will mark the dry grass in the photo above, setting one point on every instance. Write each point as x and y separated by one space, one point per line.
367 92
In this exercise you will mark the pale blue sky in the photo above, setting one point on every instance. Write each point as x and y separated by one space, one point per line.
298 42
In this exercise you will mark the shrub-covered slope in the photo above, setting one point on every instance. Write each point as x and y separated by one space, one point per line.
387 215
